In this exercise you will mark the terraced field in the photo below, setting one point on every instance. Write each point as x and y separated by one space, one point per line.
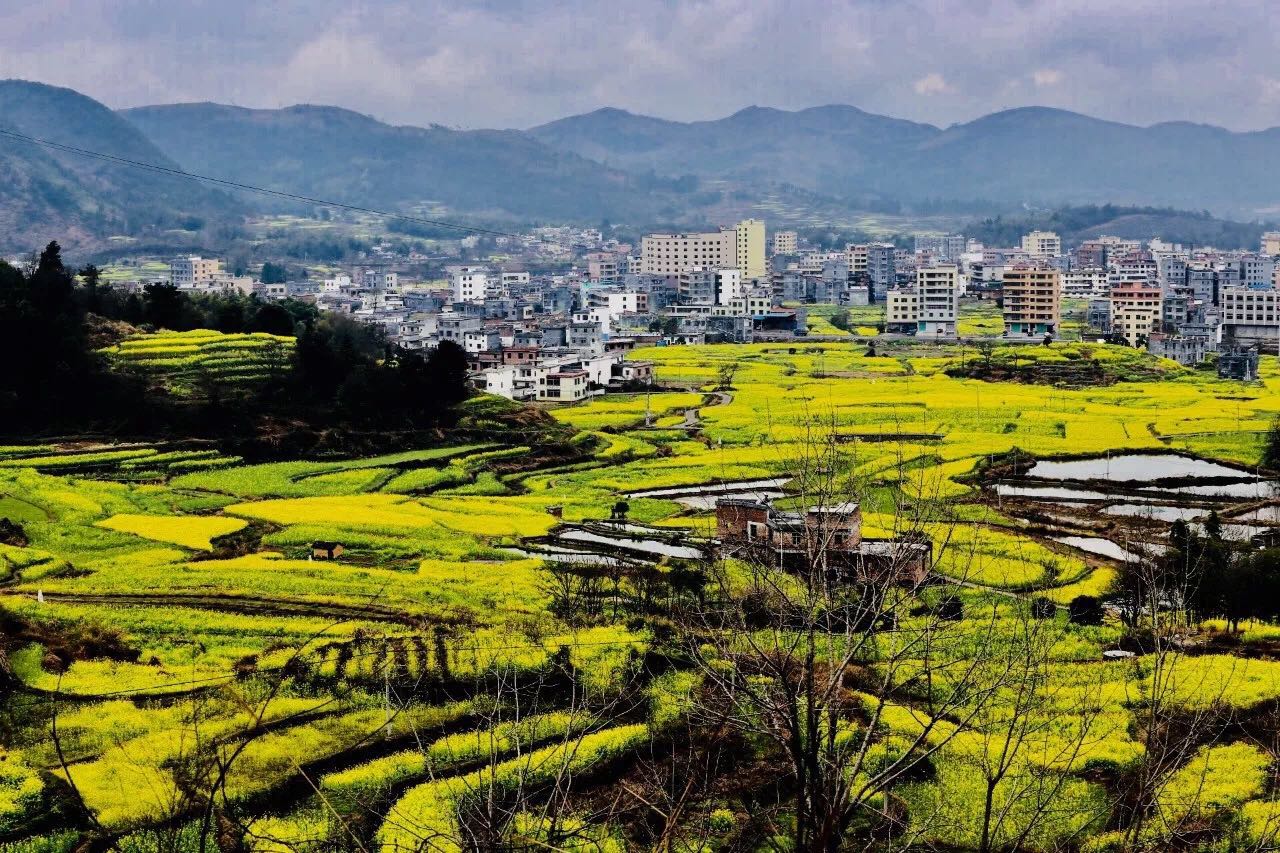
183 360
216 679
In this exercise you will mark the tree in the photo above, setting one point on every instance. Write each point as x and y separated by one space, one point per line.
273 273
1085 610
805 660
1271 447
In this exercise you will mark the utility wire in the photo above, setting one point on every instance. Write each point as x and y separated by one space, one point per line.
166 170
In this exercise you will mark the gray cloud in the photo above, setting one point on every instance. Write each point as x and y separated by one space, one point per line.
513 64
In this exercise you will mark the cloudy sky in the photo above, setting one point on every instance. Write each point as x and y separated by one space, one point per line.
515 63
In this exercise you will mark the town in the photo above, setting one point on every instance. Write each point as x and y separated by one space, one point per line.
562 336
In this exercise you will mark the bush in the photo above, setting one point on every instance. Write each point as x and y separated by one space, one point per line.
1085 610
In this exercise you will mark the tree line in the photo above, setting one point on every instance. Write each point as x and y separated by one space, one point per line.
342 377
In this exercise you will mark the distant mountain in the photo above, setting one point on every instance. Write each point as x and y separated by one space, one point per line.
1028 155
337 154
824 149
48 194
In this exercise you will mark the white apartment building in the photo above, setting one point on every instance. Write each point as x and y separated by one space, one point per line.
728 286
1085 283
785 243
1042 244
194 272
470 284
563 386
938 289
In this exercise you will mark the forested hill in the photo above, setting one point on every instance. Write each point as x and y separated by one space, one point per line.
49 194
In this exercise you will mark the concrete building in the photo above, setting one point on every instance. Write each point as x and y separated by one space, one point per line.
874 262
902 311
741 246
749 256
1042 244
1271 243
470 284
1032 300
1085 283
938 288
785 243
1137 309
1251 318
194 272
563 386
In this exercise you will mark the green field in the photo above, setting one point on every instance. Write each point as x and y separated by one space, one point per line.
168 613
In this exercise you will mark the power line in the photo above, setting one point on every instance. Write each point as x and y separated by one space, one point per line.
166 170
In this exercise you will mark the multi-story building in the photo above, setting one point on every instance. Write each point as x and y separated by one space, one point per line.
1032 298
785 243
749 255
194 272
902 310
470 284
1271 243
1085 283
673 254
939 293
741 246
1042 244
603 267
1137 310
941 247
1250 317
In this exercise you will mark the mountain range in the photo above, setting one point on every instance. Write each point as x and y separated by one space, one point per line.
604 164
1032 155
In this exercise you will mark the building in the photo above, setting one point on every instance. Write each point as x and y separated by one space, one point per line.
875 263
1250 318
564 386
902 311
1042 244
741 246
939 301
826 539
470 284
194 272
749 255
785 243
1137 309
1085 283
1032 301
1271 243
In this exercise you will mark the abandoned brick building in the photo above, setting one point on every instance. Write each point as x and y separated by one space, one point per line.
755 529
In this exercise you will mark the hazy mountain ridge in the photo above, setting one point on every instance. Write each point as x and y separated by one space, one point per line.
1029 154
338 154
46 193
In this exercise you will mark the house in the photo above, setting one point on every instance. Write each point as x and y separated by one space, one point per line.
565 386
322 550
828 536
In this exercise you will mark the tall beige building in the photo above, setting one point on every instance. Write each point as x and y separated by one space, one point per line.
785 242
741 246
1271 243
750 248
1042 244
1032 298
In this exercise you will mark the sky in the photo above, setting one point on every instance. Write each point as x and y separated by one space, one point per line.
517 63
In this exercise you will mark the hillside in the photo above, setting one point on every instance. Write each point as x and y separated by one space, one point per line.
47 194
1135 223
1032 154
342 155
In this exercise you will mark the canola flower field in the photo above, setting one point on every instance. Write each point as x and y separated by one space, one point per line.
169 599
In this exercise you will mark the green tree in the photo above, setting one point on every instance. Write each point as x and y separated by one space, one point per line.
1271 447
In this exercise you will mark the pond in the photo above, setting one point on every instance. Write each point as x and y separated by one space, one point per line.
1157 512
715 489
1133 467
1098 546
644 546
